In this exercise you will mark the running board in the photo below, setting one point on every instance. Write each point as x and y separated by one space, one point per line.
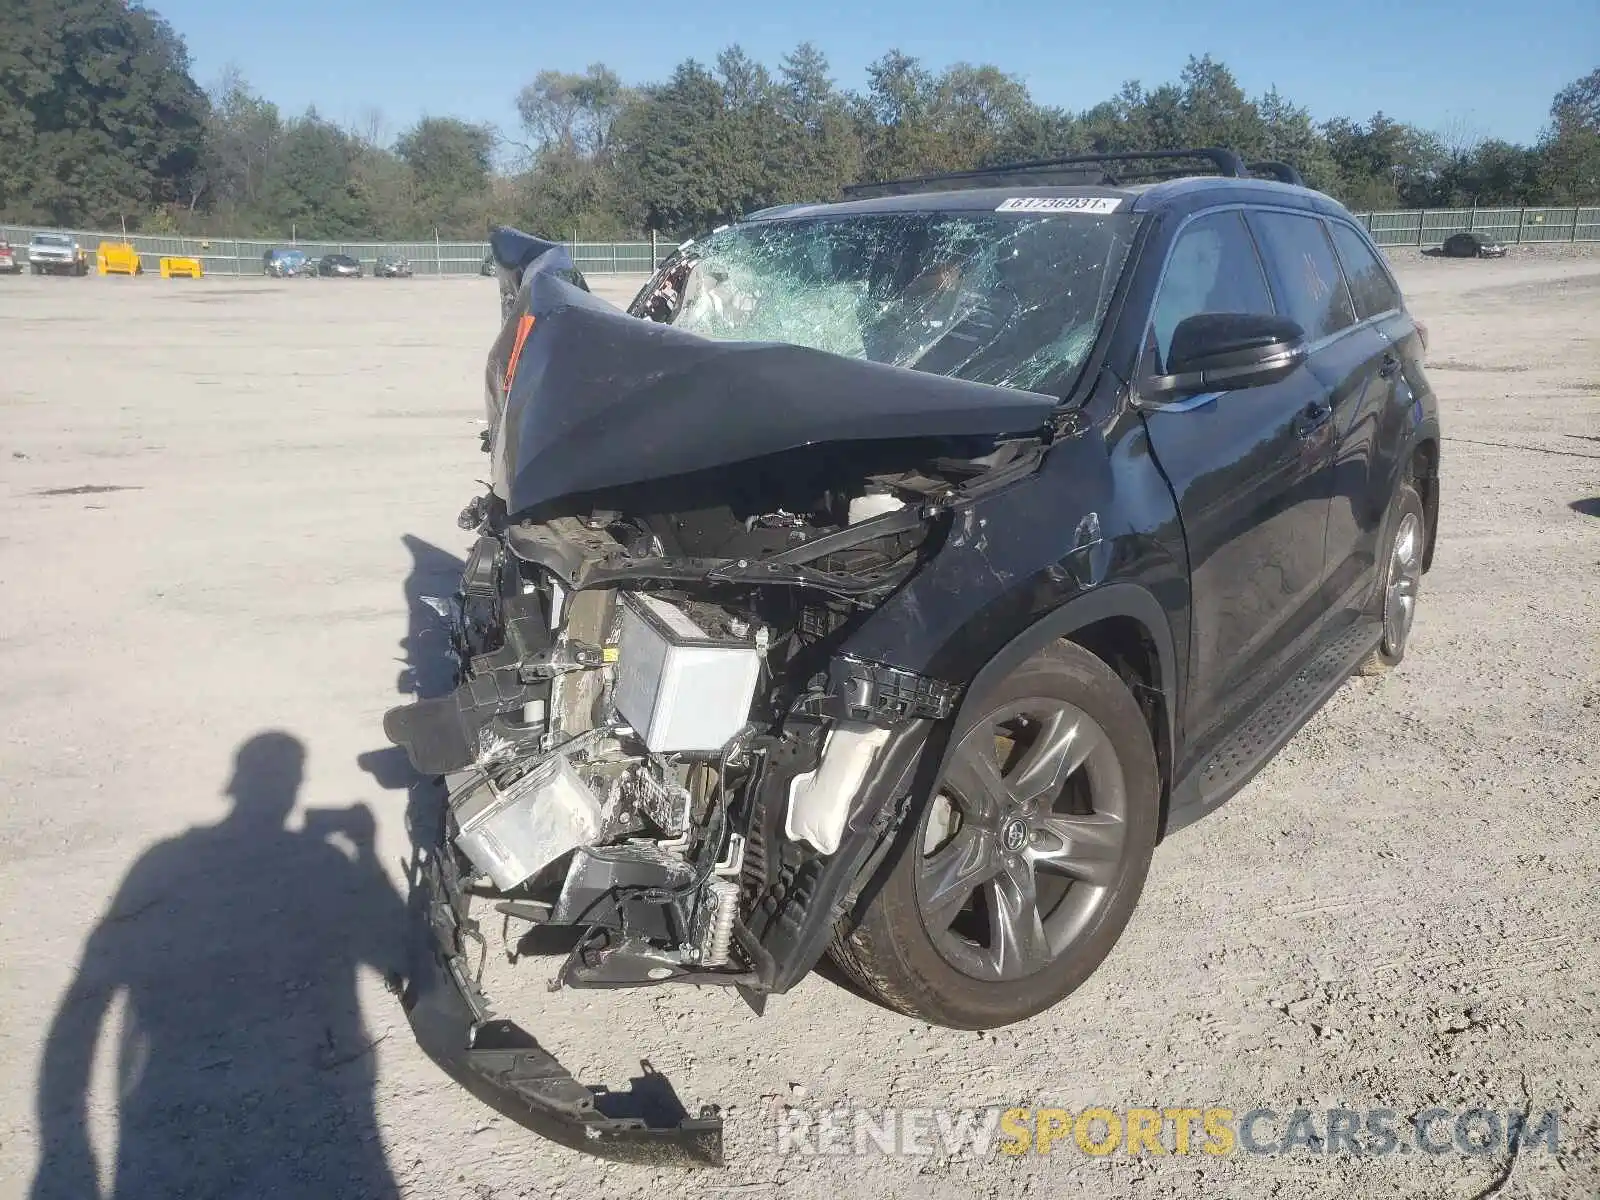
1277 719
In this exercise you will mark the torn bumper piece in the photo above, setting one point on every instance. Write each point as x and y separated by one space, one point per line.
508 1070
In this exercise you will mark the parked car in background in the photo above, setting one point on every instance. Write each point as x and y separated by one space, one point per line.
389 267
339 266
8 259
57 254
282 263
1472 245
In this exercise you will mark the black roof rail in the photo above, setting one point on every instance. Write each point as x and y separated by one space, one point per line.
1280 171
771 210
1075 169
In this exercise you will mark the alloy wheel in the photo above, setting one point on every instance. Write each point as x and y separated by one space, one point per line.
1023 840
1400 594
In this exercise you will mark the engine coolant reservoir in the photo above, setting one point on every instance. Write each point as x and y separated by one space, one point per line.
874 505
819 801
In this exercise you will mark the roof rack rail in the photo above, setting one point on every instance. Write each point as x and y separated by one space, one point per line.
1280 171
771 210
1050 171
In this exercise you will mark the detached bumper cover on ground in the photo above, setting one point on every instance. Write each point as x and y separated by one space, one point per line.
506 1068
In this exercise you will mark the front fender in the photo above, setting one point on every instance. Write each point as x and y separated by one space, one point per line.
1113 600
1094 534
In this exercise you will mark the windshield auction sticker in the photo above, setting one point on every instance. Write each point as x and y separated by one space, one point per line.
1060 204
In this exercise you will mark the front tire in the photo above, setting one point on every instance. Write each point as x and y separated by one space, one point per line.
1022 869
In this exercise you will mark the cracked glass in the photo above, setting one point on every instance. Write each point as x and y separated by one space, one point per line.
1015 301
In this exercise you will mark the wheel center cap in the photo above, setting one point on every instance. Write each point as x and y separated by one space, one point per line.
1013 835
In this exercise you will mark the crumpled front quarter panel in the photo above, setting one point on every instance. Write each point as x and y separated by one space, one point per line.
1009 558
1081 521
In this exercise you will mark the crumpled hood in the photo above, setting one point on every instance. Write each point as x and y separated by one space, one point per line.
515 250
598 399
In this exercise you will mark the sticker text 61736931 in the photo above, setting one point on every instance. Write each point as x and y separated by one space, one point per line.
1060 204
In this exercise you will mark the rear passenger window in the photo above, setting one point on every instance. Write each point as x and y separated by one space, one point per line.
1311 288
1370 286
1213 268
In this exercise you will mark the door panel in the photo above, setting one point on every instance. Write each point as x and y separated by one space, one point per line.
1350 355
1354 368
1370 420
1248 470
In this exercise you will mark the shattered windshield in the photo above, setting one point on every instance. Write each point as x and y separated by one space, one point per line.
988 297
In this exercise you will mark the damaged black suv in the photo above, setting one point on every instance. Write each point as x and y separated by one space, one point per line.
893 576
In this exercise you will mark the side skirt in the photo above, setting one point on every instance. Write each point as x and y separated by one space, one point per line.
1277 718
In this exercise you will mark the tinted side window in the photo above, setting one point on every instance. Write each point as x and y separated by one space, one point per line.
1311 287
1374 292
1213 268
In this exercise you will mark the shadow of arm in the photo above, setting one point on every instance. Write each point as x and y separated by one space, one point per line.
66 1161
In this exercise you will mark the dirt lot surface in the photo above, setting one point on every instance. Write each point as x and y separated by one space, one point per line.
223 501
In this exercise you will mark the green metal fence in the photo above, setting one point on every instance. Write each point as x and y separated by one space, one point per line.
240 256
616 258
1429 227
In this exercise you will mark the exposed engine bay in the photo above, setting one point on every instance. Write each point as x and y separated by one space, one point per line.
659 723
665 731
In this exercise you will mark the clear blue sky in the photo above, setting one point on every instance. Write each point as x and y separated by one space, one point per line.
1491 68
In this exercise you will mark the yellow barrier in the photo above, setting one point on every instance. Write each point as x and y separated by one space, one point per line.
181 268
118 258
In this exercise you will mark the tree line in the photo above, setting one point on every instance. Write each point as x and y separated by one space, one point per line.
102 122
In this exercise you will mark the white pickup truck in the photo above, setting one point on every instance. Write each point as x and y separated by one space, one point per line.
57 254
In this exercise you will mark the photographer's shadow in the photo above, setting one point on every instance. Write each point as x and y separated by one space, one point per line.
243 1066
426 671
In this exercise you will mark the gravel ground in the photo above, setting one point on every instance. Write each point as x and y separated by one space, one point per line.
226 499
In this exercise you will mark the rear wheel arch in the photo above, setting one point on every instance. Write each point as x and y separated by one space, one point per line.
1423 470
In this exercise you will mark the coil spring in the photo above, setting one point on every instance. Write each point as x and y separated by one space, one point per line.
717 939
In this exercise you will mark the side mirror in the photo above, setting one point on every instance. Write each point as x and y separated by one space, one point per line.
1215 352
